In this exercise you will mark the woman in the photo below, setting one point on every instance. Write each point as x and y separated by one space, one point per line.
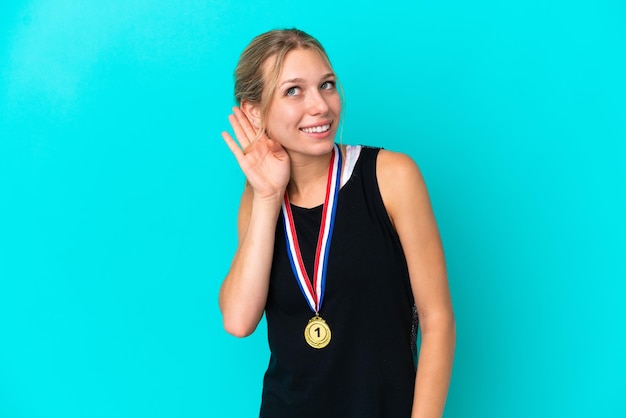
338 246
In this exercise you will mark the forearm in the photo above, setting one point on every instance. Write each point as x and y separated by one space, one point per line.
434 368
244 291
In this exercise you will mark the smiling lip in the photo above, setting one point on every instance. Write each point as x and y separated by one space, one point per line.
316 129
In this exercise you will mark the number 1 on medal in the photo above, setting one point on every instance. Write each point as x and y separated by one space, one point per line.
317 333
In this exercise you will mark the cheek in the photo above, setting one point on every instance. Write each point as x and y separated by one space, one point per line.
279 120
334 100
286 116
335 104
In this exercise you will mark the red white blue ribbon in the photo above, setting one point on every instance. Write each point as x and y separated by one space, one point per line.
313 291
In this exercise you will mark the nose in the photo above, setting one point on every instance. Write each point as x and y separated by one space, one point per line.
316 103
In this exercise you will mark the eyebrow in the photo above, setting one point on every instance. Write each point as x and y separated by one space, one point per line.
300 80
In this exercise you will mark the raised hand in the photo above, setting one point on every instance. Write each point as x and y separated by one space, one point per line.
264 162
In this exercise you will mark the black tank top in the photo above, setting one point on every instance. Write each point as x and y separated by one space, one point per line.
368 369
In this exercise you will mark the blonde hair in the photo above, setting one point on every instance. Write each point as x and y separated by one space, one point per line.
251 84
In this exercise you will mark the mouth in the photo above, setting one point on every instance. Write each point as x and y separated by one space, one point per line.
316 129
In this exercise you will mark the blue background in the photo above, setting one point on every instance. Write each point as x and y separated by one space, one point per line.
118 198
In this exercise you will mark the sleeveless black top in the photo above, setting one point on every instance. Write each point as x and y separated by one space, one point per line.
368 369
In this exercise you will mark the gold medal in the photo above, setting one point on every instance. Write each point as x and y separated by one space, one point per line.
317 332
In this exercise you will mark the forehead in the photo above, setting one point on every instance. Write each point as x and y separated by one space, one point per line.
300 63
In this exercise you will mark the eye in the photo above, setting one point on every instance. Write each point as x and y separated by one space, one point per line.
328 85
292 91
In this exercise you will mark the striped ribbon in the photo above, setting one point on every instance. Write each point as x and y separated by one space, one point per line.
313 291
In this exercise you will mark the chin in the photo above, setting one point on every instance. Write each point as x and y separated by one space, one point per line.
323 146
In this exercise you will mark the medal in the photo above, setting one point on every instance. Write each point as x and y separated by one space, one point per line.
317 332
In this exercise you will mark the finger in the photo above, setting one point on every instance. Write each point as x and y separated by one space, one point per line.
240 133
251 132
232 145
241 136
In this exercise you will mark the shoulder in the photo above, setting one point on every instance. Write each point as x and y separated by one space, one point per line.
397 172
401 183
391 163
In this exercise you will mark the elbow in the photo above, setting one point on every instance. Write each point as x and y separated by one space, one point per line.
442 324
238 328
237 319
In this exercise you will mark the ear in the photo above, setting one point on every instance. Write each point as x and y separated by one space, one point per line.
252 112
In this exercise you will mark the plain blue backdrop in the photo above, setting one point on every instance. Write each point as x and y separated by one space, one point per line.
118 198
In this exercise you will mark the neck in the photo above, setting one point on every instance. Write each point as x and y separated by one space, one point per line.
309 176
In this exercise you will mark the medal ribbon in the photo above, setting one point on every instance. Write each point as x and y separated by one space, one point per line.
314 291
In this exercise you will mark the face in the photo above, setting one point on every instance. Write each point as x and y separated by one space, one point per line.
304 113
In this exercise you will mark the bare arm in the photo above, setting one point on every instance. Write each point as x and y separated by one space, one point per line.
266 165
406 199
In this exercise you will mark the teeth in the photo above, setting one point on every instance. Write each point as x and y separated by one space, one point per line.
316 129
